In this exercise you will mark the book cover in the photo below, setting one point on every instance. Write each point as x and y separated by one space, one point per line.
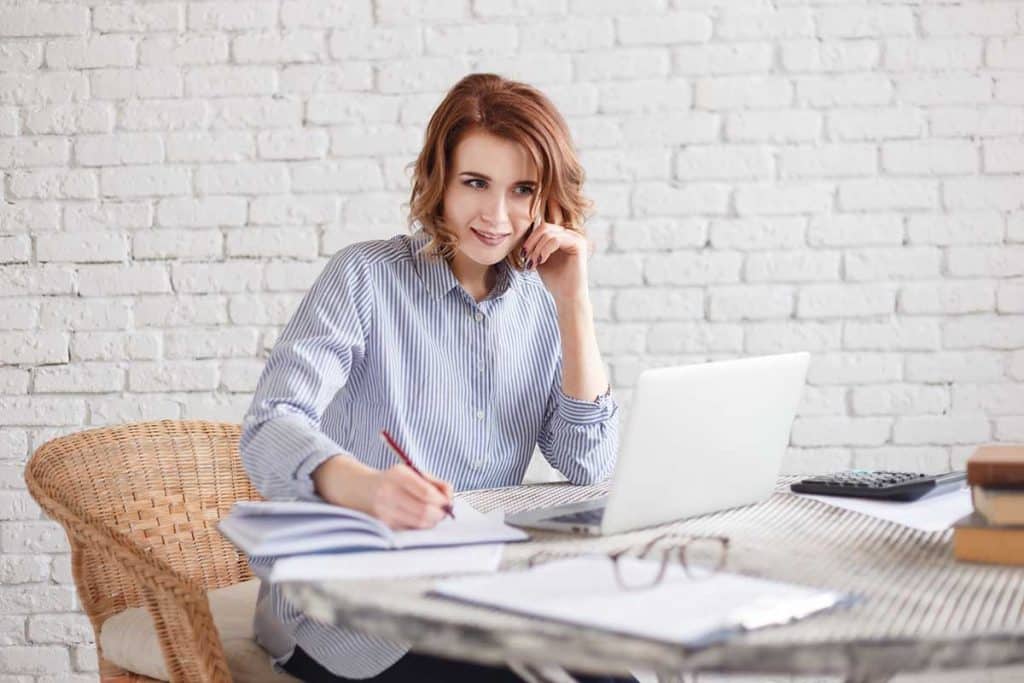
977 540
996 465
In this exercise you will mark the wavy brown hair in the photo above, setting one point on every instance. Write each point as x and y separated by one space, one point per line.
511 110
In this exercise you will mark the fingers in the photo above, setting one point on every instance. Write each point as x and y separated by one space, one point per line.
446 488
415 515
546 244
403 499
534 234
423 490
545 248
530 244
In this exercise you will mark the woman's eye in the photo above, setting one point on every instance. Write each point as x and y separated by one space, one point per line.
528 192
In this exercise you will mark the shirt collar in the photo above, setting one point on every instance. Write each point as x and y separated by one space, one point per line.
437 275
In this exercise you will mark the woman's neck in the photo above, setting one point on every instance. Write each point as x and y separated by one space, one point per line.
475 278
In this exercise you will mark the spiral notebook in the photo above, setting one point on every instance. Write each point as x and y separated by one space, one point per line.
679 610
279 528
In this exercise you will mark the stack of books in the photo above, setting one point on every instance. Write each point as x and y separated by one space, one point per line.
994 532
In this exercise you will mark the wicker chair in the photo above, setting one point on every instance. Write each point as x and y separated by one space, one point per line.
139 502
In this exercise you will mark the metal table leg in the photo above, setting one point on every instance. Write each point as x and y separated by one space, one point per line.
534 673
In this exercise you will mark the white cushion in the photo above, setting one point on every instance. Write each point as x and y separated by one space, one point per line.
129 638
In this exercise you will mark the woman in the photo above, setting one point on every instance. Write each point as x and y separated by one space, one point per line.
470 341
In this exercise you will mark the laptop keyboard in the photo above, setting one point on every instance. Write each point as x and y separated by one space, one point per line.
583 517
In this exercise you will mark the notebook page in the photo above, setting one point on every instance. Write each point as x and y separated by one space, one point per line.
469 526
680 610
280 508
389 563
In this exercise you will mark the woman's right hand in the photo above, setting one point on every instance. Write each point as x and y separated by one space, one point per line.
397 496
403 500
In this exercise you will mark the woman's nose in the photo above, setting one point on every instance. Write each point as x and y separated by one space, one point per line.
500 212
496 211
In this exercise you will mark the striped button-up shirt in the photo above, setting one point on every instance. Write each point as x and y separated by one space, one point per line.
387 338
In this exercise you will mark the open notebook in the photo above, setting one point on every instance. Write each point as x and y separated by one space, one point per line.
278 528
691 612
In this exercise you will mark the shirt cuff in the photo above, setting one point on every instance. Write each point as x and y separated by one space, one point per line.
582 412
324 449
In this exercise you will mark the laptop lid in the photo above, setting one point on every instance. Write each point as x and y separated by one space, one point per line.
703 438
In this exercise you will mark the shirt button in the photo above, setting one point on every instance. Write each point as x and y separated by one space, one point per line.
476 464
479 414
479 316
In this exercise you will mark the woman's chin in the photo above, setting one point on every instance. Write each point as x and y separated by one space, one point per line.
486 257
490 259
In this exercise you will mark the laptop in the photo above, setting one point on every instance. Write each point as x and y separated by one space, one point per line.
701 438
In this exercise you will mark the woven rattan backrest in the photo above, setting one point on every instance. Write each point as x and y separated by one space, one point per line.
160 485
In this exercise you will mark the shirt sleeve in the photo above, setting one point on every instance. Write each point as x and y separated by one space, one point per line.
281 441
580 438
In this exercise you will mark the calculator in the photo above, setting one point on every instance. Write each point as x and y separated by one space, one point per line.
880 485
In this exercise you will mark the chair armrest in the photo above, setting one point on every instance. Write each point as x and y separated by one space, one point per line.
178 604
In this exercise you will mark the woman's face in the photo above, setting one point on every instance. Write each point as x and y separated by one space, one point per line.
487 200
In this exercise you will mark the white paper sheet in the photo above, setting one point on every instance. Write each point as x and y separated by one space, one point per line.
935 512
469 526
389 563
584 590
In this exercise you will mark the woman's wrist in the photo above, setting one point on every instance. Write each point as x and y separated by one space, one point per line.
583 375
574 305
341 479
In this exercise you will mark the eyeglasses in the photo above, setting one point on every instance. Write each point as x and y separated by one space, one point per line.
700 556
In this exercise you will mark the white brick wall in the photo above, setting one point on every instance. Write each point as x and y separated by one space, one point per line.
841 177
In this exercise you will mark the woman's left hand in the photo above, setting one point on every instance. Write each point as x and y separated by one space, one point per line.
560 258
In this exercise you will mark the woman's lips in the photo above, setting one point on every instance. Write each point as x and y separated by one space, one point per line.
489 241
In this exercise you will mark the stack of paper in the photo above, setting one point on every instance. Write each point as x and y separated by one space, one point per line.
933 512
389 564
691 612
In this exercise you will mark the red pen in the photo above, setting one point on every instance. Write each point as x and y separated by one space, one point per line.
405 458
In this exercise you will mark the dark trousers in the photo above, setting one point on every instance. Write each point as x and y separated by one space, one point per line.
424 669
